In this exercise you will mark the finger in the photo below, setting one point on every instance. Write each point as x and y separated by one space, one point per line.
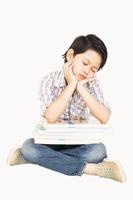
71 70
69 66
91 79
87 80
66 65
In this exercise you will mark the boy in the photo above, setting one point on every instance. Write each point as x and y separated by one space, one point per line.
73 93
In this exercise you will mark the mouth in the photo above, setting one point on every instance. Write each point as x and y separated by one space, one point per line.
81 76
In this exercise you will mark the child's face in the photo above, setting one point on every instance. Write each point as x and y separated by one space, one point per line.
85 65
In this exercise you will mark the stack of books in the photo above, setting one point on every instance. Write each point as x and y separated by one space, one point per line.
71 132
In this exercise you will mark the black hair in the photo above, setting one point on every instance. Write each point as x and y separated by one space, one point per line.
91 41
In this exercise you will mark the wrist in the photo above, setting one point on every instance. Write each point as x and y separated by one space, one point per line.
72 85
79 87
71 88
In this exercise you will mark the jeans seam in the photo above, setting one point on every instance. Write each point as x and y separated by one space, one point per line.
81 170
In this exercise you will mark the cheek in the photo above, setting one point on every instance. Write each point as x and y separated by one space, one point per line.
75 69
91 75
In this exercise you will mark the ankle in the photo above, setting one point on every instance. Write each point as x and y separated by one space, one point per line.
91 169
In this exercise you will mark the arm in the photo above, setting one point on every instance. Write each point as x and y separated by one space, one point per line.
97 109
57 107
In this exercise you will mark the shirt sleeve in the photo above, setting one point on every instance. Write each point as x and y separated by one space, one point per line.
45 93
97 91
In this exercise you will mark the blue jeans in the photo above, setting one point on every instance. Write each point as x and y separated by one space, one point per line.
66 159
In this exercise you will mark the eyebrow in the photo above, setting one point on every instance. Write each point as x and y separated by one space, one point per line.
90 62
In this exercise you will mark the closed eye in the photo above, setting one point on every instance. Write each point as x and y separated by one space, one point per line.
85 63
94 70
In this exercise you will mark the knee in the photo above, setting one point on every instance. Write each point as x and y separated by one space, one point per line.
96 153
28 150
100 152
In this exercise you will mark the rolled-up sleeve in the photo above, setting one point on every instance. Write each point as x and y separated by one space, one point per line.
45 93
97 91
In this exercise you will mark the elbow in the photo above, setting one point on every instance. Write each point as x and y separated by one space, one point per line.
105 120
49 118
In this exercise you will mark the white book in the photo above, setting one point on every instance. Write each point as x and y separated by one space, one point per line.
71 132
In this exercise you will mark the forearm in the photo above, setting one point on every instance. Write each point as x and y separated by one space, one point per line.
57 107
99 110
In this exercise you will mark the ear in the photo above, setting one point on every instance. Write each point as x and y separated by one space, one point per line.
70 55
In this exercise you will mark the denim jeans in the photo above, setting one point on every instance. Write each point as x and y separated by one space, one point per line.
66 159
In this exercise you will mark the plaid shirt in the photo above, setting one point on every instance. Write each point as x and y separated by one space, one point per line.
52 86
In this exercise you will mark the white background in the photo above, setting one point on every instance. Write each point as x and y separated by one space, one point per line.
33 36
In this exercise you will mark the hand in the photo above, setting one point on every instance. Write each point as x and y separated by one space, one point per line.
69 75
83 82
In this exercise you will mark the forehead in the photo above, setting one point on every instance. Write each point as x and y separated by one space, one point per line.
92 56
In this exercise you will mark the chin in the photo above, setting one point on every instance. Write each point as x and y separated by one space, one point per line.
80 78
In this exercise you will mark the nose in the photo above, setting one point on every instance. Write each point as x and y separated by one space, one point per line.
86 71
88 74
